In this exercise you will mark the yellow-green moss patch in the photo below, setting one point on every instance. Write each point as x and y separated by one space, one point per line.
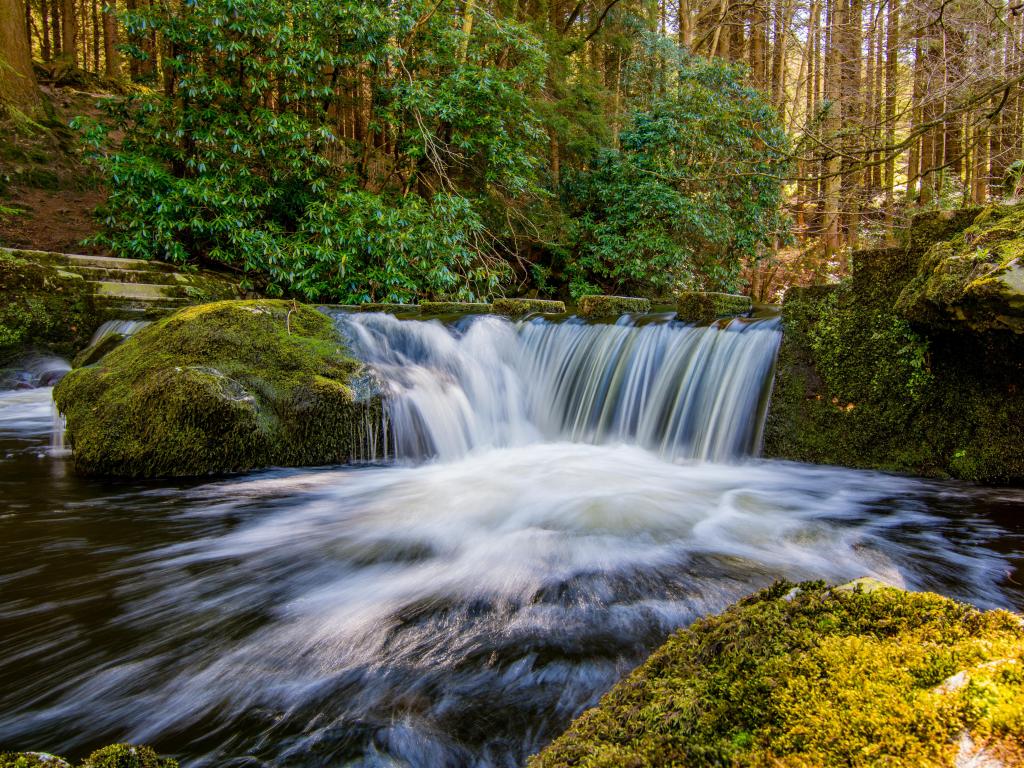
219 387
114 756
811 676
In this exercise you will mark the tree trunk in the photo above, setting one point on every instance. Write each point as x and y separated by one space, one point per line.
69 32
18 91
111 58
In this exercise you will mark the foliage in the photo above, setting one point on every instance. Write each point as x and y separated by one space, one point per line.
691 194
356 153
803 675
240 160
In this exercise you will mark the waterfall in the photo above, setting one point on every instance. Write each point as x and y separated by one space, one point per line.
685 392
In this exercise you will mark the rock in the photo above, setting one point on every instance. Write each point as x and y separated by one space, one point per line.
43 306
391 309
453 308
221 387
704 307
95 351
973 282
932 227
516 308
610 307
127 756
856 385
827 677
32 760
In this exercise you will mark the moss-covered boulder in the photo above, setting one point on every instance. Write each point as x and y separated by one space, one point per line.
610 307
219 387
803 675
515 308
704 307
974 281
114 756
453 308
42 305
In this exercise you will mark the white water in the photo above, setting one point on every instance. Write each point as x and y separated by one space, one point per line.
681 391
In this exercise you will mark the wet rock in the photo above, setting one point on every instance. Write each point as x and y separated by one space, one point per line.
704 307
453 308
114 756
610 307
820 677
515 308
219 387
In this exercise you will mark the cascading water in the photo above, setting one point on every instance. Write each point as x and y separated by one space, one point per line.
682 391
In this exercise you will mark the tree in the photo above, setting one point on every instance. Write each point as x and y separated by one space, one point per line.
691 195
18 90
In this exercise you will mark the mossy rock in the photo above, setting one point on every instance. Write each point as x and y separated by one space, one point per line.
97 350
856 385
127 756
704 307
879 274
515 308
932 227
114 756
221 387
975 281
804 675
610 307
43 306
453 308
32 760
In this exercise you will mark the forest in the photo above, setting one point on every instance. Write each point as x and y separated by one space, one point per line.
424 148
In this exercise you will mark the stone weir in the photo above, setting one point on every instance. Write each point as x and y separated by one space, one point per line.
57 300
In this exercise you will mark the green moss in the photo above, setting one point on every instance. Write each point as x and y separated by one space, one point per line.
971 282
811 676
857 386
610 307
43 306
515 308
31 760
453 308
935 226
127 756
704 307
114 756
219 387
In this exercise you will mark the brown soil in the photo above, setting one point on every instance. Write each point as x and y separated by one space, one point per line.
48 194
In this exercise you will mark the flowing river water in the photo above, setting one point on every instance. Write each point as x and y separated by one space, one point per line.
553 500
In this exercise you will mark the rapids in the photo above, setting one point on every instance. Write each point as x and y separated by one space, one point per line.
564 497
